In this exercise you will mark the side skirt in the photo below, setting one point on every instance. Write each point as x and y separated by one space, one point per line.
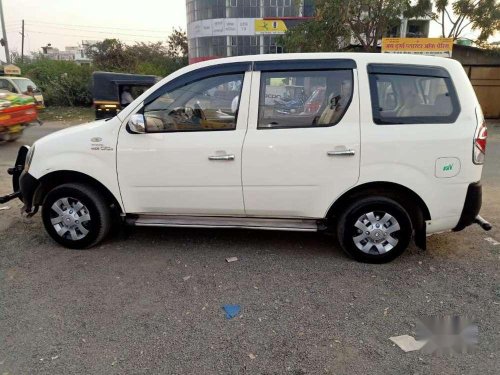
145 220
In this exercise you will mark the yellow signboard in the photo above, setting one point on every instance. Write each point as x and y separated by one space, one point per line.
419 46
11 70
270 27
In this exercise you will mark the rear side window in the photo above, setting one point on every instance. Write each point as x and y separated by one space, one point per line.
302 99
413 98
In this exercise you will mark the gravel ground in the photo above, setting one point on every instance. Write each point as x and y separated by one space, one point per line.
128 306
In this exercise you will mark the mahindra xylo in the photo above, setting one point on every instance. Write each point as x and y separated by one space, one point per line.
378 148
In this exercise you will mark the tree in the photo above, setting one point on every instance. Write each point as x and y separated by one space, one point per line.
177 43
111 55
337 21
455 17
157 58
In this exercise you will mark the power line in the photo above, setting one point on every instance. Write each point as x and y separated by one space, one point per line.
93 36
100 32
98 27
75 35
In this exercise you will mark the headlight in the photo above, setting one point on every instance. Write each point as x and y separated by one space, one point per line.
29 157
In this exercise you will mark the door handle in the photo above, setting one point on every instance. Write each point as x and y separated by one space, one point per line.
221 157
348 152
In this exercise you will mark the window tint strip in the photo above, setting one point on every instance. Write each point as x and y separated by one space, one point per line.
198 74
319 64
411 70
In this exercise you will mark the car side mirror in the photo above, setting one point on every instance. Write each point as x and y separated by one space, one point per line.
137 124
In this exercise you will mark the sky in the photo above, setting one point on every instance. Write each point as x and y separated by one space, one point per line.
68 22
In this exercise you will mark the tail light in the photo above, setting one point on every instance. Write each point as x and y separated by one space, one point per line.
480 143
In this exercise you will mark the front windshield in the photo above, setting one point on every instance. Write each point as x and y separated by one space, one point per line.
23 84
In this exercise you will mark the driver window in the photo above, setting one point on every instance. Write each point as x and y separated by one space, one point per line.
6 85
209 104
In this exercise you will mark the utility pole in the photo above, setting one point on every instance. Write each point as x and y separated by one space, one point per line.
22 42
5 44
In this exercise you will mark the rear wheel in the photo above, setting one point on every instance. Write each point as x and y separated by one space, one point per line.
76 216
374 230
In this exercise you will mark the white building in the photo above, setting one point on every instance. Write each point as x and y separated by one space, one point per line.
70 53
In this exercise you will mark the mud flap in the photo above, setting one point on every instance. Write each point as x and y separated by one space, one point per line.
421 238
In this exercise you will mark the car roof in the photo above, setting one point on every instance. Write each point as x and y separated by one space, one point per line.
359 57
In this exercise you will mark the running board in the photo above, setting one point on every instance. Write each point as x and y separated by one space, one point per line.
306 225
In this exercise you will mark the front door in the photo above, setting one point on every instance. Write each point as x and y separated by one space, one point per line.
189 159
302 148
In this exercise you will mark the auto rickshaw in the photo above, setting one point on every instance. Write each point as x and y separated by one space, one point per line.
108 87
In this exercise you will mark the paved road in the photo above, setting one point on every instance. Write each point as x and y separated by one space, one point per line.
8 151
129 306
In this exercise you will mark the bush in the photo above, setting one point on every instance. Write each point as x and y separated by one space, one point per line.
63 83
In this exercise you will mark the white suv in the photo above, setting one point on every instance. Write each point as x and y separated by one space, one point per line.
377 148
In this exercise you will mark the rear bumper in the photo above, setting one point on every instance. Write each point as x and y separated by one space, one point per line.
472 206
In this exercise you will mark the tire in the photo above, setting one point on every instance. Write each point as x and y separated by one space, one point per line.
14 137
360 237
84 212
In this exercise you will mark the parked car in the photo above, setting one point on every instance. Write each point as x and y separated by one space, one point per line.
23 86
394 152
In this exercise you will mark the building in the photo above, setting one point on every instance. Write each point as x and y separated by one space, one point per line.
411 28
70 53
221 28
483 69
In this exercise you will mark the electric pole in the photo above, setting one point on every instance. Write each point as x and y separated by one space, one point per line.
22 42
5 44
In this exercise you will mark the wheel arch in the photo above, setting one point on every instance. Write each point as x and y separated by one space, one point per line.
411 201
56 178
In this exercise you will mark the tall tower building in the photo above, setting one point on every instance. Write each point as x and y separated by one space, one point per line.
221 28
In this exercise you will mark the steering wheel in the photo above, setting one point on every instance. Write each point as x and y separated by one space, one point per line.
198 111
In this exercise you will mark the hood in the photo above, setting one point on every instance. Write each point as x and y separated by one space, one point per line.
77 132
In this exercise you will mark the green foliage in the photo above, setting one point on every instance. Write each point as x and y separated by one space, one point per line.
111 55
454 17
337 21
65 83
62 82
142 58
177 44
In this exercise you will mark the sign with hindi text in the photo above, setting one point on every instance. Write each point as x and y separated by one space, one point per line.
419 46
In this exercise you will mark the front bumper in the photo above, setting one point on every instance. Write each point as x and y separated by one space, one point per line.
23 184
28 186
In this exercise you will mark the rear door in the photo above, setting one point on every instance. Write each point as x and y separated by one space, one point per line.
302 148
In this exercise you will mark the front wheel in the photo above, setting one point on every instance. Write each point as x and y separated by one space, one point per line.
374 230
76 216
14 137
